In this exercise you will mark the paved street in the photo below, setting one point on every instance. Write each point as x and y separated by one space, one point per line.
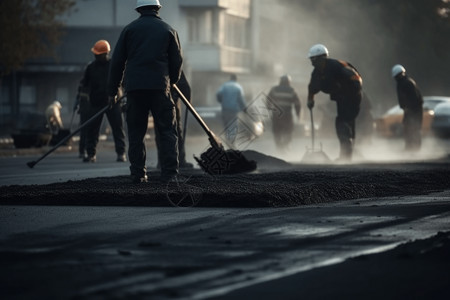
91 252
63 164
177 253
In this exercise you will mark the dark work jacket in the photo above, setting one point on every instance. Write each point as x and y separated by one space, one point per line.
94 82
285 97
147 55
184 87
409 96
338 78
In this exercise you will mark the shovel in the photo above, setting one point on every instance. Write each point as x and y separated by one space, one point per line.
216 160
71 120
31 164
312 154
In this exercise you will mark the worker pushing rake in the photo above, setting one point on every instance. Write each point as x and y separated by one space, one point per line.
146 65
343 83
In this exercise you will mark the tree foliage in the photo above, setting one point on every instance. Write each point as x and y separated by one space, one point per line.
29 29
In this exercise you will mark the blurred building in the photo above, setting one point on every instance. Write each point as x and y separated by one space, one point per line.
257 40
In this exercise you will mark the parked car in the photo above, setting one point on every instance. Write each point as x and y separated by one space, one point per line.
440 125
390 123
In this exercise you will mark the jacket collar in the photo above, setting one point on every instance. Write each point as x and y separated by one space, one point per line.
150 13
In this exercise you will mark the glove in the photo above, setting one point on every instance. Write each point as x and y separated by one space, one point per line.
112 101
310 104
123 104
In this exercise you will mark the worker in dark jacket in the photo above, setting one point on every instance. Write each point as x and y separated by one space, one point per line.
285 98
94 82
148 57
411 101
343 83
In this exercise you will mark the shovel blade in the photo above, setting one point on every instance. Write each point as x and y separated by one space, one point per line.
217 161
31 164
315 156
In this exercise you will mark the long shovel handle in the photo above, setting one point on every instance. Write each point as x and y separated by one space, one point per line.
31 164
71 120
185 123
312 127
212 137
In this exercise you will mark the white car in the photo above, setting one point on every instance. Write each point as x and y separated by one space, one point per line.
440 125
390 123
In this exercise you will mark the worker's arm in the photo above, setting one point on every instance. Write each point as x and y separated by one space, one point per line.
297 104
313 88
310 100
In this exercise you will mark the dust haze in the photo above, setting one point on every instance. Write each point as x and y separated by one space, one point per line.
355 33
358 35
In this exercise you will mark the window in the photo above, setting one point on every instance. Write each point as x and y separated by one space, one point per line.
193 30
236 34
200 29
27 100
5 104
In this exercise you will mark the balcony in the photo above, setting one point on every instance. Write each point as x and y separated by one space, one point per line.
218 58
234 7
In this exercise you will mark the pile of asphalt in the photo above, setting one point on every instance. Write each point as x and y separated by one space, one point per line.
275 183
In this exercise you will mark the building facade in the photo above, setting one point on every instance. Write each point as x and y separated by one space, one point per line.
252 39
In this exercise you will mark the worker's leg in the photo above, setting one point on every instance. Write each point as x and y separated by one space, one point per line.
115 120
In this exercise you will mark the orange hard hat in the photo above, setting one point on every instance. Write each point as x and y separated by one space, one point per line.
101 47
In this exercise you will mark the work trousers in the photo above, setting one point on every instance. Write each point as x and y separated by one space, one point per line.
114 116
159 102
282 129
84 116
83 111
181 148
347 111
231 125
412 123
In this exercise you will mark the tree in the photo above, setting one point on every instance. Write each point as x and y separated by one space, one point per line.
29 29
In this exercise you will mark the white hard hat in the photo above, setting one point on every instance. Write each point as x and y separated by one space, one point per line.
141 3
397 69
317 50
58 104
286 77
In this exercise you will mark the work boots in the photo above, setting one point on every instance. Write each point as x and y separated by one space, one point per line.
121 158
139 178
90 158
346 151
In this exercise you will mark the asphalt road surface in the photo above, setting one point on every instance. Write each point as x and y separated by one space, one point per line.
203 253
302 231
63 164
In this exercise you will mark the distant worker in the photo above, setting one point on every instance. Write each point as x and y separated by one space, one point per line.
411 101
285 98
53 117
343 83
148 59
231 96
94 83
